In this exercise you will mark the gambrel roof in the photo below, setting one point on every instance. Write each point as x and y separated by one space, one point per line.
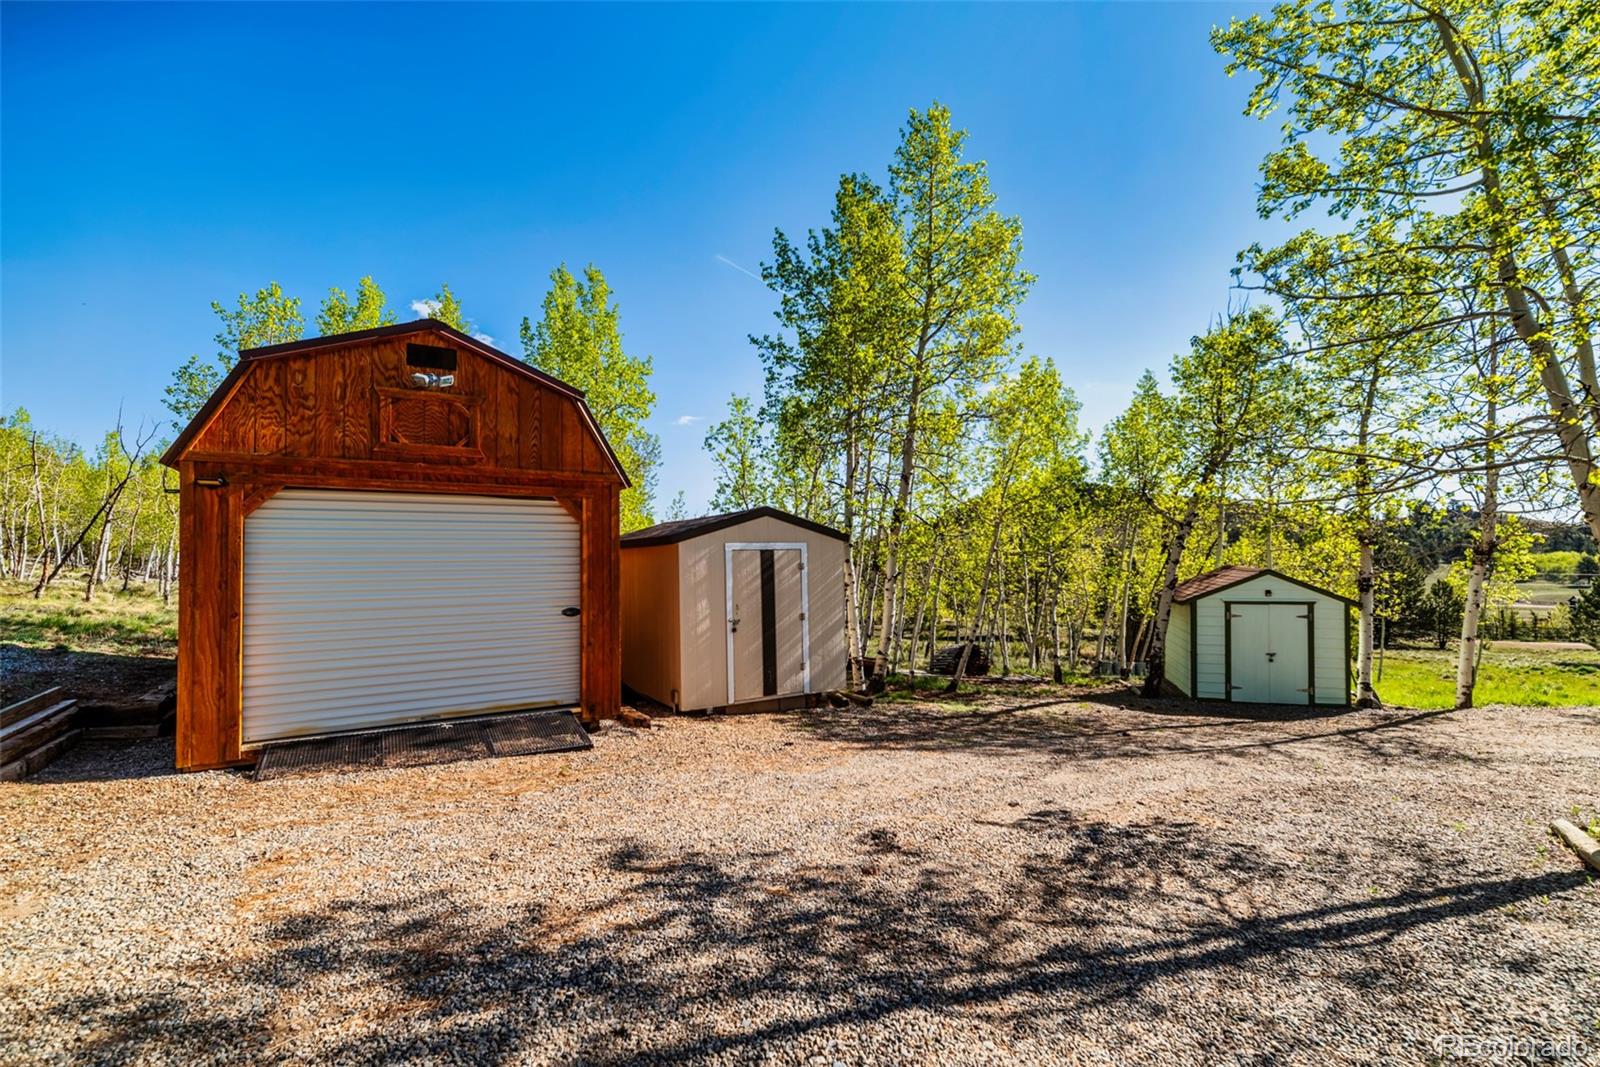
251 358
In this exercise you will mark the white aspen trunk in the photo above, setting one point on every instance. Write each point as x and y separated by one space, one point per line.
1156 659
1127 592
899 624
922 607
44 519
1471 617
1482 551
1572 423
1367 571
1029 621
1105 629
1366 586
97 561
851 579
128 545
933 630
1055 637
1003 622
171 567
1075 631
897 519
875 595
983 596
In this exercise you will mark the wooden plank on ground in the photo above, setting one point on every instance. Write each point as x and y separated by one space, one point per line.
23 708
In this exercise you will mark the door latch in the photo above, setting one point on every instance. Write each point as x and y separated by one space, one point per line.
571 613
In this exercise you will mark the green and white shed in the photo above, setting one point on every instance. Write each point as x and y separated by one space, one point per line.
1251 635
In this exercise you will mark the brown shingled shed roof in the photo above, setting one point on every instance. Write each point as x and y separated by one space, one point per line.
1204 585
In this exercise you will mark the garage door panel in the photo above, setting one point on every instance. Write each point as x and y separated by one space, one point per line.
421 658
447 693
369 609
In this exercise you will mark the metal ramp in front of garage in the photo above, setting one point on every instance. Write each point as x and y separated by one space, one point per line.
448 741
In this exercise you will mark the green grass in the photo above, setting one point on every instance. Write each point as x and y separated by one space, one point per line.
1425 678
929 690
134 623
1542 591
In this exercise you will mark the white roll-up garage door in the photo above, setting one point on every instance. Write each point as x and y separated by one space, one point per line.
365 609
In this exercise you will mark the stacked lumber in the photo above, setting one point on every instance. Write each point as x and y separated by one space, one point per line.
35 731
147 715
944 661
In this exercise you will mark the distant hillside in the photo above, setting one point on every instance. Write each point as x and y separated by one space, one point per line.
1439 538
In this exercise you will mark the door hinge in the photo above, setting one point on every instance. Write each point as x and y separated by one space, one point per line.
802 615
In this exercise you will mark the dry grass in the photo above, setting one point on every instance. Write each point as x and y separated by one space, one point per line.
132 623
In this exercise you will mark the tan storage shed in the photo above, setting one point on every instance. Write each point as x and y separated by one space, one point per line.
745 609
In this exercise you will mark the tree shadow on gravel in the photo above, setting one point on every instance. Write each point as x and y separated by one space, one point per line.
703 955
1088 729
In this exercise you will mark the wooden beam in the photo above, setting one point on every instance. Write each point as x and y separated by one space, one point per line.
1584 845
240 466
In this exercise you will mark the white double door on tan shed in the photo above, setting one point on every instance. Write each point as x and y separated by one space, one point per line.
370 609
1269 649
768 632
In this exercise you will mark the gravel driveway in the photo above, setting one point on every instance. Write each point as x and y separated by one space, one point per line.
1026 878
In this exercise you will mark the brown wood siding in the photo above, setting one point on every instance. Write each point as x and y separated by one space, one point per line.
313 420
210 593
328 405
602 591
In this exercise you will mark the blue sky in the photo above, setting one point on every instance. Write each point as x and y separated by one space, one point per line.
154 158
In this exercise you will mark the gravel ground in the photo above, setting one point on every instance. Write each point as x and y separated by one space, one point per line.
1029 878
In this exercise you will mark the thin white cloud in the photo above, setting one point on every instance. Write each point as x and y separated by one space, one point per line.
485 338
687 420
425 308
730 263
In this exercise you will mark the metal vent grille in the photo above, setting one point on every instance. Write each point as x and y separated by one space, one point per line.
416 746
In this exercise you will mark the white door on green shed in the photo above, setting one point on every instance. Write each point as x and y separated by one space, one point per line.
367 609
1271 653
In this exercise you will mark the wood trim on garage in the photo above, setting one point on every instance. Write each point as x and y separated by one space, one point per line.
211 610
306 418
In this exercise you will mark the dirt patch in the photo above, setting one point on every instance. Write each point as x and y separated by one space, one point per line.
94 678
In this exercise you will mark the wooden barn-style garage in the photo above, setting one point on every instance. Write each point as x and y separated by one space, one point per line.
741 609
390 526
1252 635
